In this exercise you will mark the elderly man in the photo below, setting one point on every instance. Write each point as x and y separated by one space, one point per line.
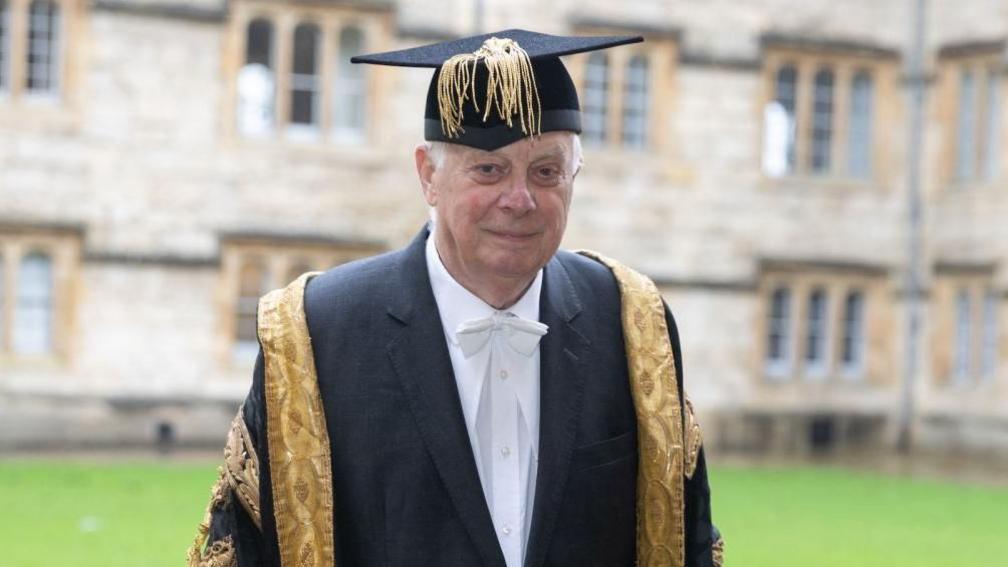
477 398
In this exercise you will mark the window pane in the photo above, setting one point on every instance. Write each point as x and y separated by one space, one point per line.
852 356
253 283
596 97
822 121
778 332
816 341
963 337
5 48
43 46
33 325
860 137
990 335
993 142
256 81
786 96
304 79
635 103
350 90
966 129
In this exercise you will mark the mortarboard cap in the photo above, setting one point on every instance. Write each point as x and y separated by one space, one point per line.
494 89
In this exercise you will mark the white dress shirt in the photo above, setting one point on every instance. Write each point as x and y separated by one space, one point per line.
499 391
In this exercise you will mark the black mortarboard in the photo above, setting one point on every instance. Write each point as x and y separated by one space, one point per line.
494 89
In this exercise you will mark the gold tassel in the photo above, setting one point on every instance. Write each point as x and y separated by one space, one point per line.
511 87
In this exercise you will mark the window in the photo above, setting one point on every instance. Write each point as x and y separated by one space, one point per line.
254 282
43 47
5 46
992 145
816 339
349 104
852 346
593 116
635 103
963 337
33 322
778 336
822 121
822 112
966 127
256 81
304 111
989 352
860 140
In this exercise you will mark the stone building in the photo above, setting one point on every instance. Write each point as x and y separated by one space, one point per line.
165 162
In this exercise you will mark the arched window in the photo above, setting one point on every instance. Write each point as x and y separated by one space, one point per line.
596 97
963 337
860 136
350 90
816 339
253 282
786 96
33 321
966 127
257 80
304 113
43 47
779 333
635 103
852 345
5 45
822 121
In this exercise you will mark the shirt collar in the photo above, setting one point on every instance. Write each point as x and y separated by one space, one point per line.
457 304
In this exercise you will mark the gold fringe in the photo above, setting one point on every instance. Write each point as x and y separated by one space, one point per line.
718 552
694 440
241 468
511 87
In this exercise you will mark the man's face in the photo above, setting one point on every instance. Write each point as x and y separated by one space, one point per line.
501 214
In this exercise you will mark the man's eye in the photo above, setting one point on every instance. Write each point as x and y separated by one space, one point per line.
547 175
487 169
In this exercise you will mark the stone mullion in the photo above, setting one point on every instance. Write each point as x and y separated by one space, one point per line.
284 52
841 121
804 96
614 112
327 57
19 46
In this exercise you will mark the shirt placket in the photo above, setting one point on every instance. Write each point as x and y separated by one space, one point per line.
507 496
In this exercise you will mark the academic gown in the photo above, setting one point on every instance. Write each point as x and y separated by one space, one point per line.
406 490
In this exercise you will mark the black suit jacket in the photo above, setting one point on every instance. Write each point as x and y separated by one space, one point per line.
406 487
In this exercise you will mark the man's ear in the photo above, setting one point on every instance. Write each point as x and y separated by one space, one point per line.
425 171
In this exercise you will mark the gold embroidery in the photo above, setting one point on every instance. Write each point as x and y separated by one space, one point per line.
298 440
718 550
694 440
241 468
654 387
196 555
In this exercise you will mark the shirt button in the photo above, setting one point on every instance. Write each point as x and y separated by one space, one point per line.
506 529
503 374
505 452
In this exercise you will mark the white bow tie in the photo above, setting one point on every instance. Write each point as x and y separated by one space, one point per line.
521 334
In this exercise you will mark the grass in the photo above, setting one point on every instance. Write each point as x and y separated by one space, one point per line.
120 514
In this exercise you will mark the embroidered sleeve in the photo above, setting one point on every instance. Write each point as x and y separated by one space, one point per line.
221 553
694 440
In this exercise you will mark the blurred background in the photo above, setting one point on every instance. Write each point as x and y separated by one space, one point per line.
818 187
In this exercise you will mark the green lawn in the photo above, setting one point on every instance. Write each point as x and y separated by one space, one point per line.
108 515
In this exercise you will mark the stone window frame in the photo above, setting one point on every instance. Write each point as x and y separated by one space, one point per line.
281 256
375 22
847 62
986 63
660 51
63 247
981 336
15 92
837 282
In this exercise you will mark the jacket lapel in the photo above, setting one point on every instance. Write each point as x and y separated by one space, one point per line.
420 357
562 355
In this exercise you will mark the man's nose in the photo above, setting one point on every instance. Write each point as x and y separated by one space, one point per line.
516 196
